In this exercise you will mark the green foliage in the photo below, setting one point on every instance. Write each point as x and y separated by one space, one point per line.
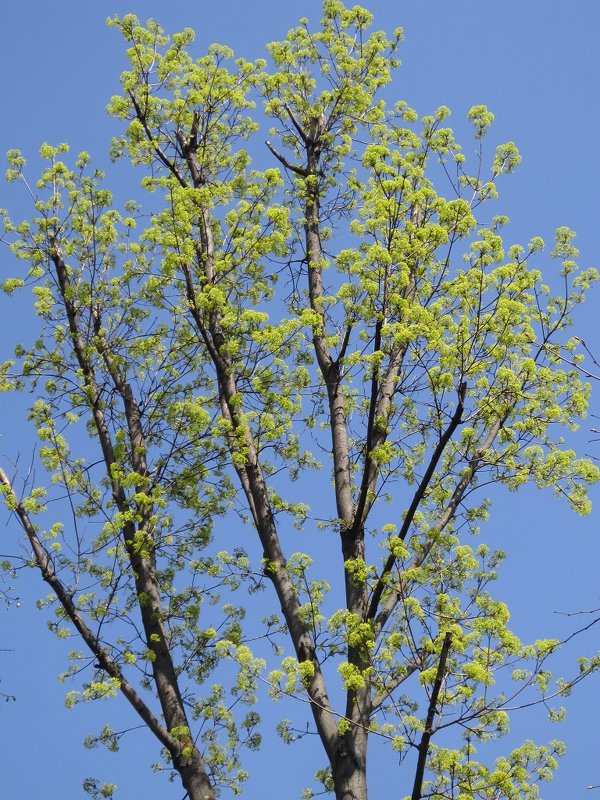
96 791
194 347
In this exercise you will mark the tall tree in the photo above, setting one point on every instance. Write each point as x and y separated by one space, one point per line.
195 348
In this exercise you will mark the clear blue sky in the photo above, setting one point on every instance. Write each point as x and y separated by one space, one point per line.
536 65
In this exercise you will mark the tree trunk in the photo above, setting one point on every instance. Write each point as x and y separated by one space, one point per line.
349 771
194 778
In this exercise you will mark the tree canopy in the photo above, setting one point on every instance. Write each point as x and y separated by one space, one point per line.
271 407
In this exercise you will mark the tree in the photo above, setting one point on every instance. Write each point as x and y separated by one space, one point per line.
195 348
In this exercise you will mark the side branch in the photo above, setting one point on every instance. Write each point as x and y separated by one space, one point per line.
448 513
189 765
150 136
419 494
132 411
380 403
296 124
287 164
393 684
427 733
368 472
87 370
44 563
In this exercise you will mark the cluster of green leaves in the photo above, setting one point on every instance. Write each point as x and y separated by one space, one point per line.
194 351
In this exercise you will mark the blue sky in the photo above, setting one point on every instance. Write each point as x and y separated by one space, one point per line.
535 64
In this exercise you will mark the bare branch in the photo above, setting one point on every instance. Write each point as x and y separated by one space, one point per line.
287 164
295 123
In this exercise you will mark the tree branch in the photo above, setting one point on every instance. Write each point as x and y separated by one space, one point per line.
44 563
379 407
287 164
391 687
418 496
295 123
447 515
141 116
427 733
191 766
